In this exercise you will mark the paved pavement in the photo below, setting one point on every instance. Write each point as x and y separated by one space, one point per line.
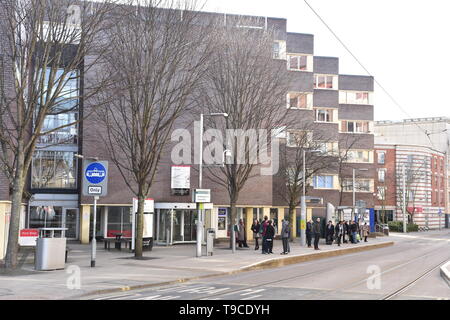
117 269
409 270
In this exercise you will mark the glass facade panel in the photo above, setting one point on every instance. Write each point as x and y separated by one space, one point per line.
45 217
54 170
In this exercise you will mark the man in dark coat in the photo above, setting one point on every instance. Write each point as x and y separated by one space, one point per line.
264 225
316 230
270 235
329 232
309 233
354 230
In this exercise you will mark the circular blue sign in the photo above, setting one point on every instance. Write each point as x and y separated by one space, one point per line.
95 173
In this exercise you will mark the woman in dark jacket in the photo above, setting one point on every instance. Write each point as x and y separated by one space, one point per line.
255 228
270 234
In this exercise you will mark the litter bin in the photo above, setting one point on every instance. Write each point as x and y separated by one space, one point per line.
210 236
50 249
386 230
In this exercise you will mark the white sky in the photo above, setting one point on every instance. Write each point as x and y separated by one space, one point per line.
403 43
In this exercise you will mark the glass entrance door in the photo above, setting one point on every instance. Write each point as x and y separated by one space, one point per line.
71 221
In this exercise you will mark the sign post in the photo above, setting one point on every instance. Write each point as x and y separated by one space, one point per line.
95 183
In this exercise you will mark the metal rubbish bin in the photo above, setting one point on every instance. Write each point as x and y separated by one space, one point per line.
210 236
386 230
50 249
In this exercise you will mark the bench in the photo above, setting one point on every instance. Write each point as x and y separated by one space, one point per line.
118 243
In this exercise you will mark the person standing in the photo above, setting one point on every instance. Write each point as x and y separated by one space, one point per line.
354 230
270 235
309 233
316 230
346 232
339 232
365 231
329 233
285 235
255 228
263 230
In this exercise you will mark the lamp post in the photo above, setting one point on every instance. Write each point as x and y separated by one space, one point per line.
303 201
200 180
94 222
404 197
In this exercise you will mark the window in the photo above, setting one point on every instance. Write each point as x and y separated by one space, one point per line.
45 217
54 170
354 97
381 175
323 182
381 193
119 221
381 157
359 156
325 82
299 100
324 115
299 138
64 112
329 148
355 126
361 185
298 63
279 49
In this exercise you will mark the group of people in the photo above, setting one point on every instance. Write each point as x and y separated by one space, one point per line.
265 230
342 232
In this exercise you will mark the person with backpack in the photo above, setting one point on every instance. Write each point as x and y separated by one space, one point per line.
255 228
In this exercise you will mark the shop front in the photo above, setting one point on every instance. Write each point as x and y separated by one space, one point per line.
54 211
176 222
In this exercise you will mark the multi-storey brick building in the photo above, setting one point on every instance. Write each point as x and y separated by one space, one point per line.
339 106
422 145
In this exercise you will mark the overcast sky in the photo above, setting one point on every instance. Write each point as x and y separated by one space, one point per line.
404 44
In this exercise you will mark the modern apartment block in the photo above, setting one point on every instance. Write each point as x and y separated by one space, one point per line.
422 146
339 106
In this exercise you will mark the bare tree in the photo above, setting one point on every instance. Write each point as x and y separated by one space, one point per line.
415 174
157 59
343 162
246 83
291 165
47 43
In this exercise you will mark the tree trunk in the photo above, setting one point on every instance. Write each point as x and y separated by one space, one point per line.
233 217
13 236
139 227
292 221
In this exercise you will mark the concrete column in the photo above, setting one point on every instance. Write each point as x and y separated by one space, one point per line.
280 218
266 212
5 209
84 223
249 221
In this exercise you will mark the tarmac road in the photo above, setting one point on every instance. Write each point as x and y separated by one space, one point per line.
407 271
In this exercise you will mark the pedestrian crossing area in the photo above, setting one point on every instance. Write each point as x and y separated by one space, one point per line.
191 292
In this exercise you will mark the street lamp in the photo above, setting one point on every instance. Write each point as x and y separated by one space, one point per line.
354 191
94 222
200 178
303 201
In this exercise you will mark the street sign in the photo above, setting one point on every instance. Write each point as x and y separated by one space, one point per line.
202 196
95 178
